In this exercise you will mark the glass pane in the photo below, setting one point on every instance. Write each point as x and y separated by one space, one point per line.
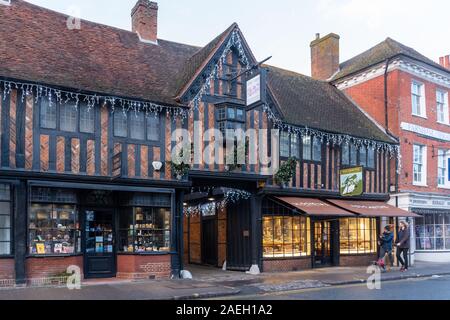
5 208
231 113
5 248
68 117
153 128
439 231
353 155
278 237
87 118
5 234
120 124
447 244
240 114
345 154
363 157
5 222
47 113
295 148
371 158
268 236
439 244
420 245
5 193
317 150
307 147
137 127
284 147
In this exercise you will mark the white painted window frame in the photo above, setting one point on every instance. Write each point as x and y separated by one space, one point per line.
422 101
423 164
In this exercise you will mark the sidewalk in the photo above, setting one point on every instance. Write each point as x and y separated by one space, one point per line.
213 283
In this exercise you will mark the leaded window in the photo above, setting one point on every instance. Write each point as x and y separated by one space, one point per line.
120 124
153 128
5 220
137 126
68 117
47 113
87 118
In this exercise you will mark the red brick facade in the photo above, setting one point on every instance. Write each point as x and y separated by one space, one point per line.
287 265
37 268
6 269
143 267
357 260
369 95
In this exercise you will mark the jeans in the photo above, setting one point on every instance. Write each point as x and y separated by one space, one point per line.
404 261
383 253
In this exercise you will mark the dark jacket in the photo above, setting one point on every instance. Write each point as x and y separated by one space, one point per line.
386 241
403 239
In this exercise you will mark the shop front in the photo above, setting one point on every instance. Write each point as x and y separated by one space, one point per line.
430 230
104 230
303 233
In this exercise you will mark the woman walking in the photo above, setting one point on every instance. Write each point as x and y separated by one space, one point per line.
386 240
403 245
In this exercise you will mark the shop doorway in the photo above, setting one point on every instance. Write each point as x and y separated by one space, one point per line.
322 244
99 243
209 240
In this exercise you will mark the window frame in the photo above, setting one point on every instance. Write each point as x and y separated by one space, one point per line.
222 117
51 104
444 104
81 106
443 155
373 231
422 224
422 108
11 221
422 164
75 111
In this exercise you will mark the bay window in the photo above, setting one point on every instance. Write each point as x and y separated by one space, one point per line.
358 235
230 117
5 220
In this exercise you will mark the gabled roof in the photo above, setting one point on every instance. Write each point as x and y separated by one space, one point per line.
387 49
317 104
37 46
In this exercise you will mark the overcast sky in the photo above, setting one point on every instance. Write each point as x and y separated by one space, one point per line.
284 28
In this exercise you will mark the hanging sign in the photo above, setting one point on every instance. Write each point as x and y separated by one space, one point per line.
351 182
256 88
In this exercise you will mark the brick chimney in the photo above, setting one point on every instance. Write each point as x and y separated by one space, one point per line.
325 56
144 18
445 61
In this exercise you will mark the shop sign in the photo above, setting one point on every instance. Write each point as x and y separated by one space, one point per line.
426 131
351 182
254 90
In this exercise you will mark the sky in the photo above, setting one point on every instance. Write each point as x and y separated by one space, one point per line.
284 29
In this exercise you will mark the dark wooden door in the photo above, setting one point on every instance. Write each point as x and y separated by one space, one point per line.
239 236
99 243
209 241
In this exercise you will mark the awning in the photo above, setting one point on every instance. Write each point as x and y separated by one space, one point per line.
372 208
315 207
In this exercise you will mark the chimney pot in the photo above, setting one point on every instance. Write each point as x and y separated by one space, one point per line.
445 61
144 18
325 56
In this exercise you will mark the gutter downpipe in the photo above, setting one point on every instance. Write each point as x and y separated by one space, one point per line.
386 115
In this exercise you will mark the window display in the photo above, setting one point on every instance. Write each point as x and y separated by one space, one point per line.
358 235
144 229
286 236
5 220
54 229
433 232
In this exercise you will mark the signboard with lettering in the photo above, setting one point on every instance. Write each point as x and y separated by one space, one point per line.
254 90
351 182
117 165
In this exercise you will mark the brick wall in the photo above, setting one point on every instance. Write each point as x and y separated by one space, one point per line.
357 261
369 95
286 265
51 266
7 269
144 266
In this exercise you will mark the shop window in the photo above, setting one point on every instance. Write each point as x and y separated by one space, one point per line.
433 232
144 229
153 128
68 117
358 236
137 126
87 118
47 113
285 234
53 222
5 220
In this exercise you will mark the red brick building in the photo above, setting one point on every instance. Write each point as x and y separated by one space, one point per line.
408 94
